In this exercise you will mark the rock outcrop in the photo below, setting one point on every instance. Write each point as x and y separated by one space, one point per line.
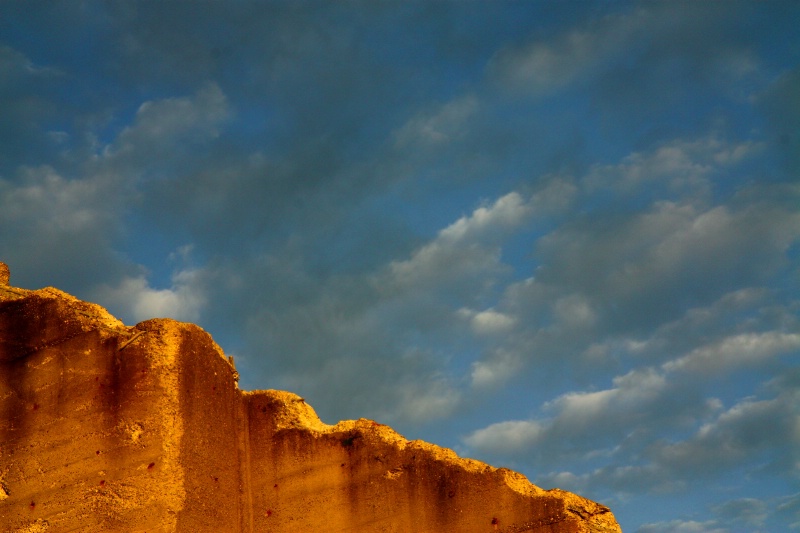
143 429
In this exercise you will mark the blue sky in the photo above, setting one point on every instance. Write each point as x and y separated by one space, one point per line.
561 237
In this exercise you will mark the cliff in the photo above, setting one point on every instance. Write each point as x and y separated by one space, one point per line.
144 429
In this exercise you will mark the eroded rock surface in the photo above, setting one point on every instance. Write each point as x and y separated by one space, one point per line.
113 428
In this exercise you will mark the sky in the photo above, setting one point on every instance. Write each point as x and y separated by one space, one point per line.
559 237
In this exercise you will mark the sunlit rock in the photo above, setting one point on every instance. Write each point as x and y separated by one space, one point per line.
114 428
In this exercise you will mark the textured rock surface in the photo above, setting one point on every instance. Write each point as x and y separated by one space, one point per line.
4 274
114 428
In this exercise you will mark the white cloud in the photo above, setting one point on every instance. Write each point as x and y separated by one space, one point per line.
629 400
50 204
488 322
541 67
48 219
757 307
638 260
439 265
556 197
740 433
564 480
426 400
507 437
704 317
159 124
578 415
678 165
682 526
643 403
735 352
506 213
76 220
574 312
466 250
501 365
134 299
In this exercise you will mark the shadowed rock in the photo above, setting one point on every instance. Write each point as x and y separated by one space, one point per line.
115 428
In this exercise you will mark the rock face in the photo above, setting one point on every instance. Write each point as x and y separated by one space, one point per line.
143 429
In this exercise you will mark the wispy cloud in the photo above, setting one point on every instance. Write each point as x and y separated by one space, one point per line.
543 66
441 126
735 353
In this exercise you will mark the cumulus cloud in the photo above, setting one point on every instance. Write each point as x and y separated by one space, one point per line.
675 267
133 299
506 213
469 249
163 126
496 369
466 250
574 311
488 322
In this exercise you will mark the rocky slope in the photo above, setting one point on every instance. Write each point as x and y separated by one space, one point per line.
144 429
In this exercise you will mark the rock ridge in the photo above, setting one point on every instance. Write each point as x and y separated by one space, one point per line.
108 427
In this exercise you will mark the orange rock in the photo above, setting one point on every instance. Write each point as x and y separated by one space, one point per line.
114 428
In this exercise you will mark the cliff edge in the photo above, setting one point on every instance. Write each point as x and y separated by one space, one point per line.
110 428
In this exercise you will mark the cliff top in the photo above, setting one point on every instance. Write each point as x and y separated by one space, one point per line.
76 382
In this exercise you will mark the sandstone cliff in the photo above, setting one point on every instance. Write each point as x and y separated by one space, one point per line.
144 429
